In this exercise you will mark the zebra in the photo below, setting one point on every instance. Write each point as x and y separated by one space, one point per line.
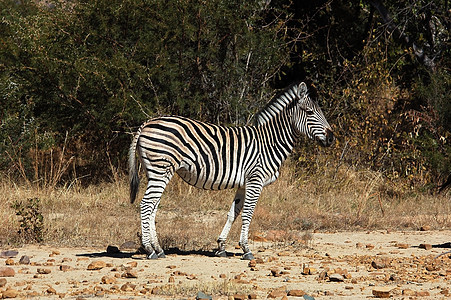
216 157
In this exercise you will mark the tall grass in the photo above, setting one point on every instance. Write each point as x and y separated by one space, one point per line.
191 219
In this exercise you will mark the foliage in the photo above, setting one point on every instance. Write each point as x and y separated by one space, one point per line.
32 220
77 77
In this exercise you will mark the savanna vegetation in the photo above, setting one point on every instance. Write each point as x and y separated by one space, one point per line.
78 77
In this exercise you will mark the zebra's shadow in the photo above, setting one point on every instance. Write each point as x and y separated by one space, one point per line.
139 256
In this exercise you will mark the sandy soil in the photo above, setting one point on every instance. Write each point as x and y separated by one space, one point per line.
362 262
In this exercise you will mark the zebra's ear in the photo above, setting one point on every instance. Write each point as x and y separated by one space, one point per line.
302 90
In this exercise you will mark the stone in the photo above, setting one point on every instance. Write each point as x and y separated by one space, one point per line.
252 296
129 274
3 282
203 296
51 290
425 246
43 271
369 246
9 262
296 293
239 297
7 272
252 263
402 245
96 265
112 250
222 276
425 228
378 264
277 294
24 260
336 277
422 294
108 280
10 293
275 272
64 268
8 254
381 292
128 287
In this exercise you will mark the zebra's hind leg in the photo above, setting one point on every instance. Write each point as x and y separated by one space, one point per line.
253 190
233 213
149 207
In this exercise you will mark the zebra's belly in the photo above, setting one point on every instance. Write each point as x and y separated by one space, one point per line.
209 179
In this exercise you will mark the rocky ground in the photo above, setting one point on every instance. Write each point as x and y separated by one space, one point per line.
352 265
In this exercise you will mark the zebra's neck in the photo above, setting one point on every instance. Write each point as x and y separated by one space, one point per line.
278 136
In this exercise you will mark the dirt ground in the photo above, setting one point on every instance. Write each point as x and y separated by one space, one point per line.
349 265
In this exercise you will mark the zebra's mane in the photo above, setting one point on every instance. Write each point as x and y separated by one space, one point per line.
278 104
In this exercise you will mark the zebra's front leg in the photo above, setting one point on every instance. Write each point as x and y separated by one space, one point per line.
253 191
233 213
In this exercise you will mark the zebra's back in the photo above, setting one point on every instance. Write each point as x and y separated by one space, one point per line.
204 155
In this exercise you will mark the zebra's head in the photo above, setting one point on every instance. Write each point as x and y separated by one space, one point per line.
309 119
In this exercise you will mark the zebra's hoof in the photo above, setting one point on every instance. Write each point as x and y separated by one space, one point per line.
161 255
221 253
153 255
247 256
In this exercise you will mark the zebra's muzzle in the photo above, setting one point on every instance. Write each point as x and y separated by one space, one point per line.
328 139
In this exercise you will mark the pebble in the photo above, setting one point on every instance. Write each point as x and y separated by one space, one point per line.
24 260
402 245
203 296
96 265
425 246
8 253
277 293
336 278
296 293
9 262
10 293
381 292
129 245
64 268
129 274
7 272
43 271
3 282
378 264
108 280
240 297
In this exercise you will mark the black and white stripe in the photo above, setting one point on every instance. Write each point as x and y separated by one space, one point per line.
216 157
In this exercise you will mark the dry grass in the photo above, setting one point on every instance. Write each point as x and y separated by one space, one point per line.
191 219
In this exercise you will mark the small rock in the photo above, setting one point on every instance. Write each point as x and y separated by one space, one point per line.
171 279
336 278
275 272
222 276
128 287
296 293
7 272
129 245
369 246
8 253
129 274
10 293
3 282
402 245
252 296
425 246
9 262
422 294
277 293
108 280
132 264
252 263
382 292
51 290
308 297
55 252
239 297
96 265
378 265
425 228
408 292
44 271
64 268
112 249
171 267
24 260
203 296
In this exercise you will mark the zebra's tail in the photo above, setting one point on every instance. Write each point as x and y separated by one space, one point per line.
132 167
